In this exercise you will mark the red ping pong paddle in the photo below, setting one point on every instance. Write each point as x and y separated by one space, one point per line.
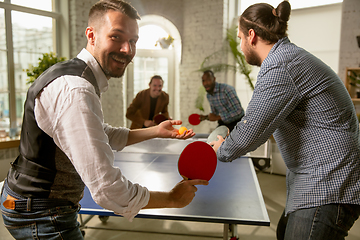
194 119
159 118
197 161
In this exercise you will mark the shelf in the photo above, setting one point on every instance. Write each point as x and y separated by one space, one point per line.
12 143
352 89
356 100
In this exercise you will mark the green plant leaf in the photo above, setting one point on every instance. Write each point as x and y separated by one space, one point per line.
200 99
231 45
46 61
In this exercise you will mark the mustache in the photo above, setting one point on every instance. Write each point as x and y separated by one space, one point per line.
120 55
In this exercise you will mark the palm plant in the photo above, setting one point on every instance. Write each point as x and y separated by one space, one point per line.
231 46
200 99
354 79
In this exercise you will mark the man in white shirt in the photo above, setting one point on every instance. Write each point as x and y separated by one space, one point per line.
65 144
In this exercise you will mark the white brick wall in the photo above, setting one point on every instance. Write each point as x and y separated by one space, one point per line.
350 28
203 35
79 11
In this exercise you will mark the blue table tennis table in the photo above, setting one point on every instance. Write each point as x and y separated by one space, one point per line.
232 197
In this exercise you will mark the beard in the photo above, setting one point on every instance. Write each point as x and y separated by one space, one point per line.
251 56
109 73
113 64
117 71
211 89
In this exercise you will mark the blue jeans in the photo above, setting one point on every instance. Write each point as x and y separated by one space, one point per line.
330 222
55 223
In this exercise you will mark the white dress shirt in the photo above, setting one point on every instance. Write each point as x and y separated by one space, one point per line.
69 111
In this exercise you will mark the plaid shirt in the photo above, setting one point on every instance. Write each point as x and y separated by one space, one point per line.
307 108
225 103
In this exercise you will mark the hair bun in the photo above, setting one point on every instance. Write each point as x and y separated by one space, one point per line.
283 11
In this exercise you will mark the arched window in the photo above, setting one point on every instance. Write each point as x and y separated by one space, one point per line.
153 58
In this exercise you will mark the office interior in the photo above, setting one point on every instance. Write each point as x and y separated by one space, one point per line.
330 31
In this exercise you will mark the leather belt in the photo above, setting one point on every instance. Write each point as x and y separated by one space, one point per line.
30 204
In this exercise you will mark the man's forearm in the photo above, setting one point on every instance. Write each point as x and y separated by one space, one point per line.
213 117
139 135
159 200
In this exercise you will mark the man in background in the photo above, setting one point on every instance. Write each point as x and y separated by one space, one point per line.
224 102
148 104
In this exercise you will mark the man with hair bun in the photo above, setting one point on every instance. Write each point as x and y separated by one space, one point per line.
303 103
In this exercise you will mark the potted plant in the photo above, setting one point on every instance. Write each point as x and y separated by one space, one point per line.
46 61
355 81
165 42
231 46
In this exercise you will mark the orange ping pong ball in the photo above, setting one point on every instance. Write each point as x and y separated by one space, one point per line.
182 130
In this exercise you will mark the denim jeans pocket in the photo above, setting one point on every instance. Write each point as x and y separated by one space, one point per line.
56 223
22 231
347 215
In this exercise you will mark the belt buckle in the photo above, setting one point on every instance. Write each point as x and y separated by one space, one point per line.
9 203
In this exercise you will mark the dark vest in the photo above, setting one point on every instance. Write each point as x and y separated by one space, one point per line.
32 173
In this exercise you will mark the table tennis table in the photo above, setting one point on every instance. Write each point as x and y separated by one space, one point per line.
232 197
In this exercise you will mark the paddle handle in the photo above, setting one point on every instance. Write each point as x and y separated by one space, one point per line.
204 117
185 178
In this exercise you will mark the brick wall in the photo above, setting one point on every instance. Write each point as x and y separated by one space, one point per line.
112 100
201 27
169 9
79 10
203 35
350 28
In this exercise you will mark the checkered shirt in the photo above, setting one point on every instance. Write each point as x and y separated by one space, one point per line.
307 108
225 103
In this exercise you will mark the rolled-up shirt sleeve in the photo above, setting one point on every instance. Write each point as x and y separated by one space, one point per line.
72 116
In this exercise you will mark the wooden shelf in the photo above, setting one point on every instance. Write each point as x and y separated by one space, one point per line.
13 143
351 89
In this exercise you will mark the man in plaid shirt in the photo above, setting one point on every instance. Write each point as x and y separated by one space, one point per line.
225 104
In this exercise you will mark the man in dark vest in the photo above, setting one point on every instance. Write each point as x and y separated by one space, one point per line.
65 144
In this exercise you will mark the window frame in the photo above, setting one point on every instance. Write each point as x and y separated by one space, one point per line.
61 41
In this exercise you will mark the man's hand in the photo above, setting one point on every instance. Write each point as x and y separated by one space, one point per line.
166 130
149 123
216 144
204 117
180 196
184 192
